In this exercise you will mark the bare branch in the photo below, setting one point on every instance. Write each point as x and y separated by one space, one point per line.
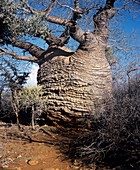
123 7
15 56
57 20
52 40
131 70
61 21
29 8
48 10
76 4
31 48
66 6
101 19
136 1
78 12
45 13
65 36
24 9
77 33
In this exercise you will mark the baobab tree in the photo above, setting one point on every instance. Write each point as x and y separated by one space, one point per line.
74 83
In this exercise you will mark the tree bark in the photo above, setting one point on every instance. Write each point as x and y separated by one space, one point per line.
1 90
33 117
75 84
15 107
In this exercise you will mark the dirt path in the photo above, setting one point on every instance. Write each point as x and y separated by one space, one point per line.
30 150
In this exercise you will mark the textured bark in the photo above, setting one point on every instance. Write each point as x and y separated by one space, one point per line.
75 84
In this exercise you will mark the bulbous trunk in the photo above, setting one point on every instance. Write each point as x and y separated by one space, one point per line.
75 84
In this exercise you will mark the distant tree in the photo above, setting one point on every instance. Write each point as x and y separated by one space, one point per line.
14 81
31 97
75 83
2 85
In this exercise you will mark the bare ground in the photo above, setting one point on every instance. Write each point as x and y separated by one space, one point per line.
32 150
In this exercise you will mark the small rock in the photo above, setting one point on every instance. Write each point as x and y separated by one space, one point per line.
19 156
17 168
9 168
32 162
51 169
5 166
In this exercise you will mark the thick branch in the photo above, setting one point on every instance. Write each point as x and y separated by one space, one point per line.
71 25
77 33
102 17
74 31
77 12
45 13
31 48
15 56
65 36
52 40
59 21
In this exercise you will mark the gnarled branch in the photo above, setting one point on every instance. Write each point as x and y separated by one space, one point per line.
15 56
31 48
75 31
101 19
65 36
72 29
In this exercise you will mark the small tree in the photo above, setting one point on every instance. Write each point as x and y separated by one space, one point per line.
31 97
2 85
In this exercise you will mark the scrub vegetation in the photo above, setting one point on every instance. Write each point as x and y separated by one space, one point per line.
87 98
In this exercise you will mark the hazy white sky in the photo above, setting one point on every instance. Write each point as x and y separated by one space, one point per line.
32 80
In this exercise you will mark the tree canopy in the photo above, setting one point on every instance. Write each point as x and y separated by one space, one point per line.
53 21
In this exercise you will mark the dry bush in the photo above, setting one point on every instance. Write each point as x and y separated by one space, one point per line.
114 139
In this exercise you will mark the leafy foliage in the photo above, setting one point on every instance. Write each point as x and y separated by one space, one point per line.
29 96
16 22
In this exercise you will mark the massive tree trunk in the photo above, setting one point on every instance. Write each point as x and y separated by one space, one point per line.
75 84
78 84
